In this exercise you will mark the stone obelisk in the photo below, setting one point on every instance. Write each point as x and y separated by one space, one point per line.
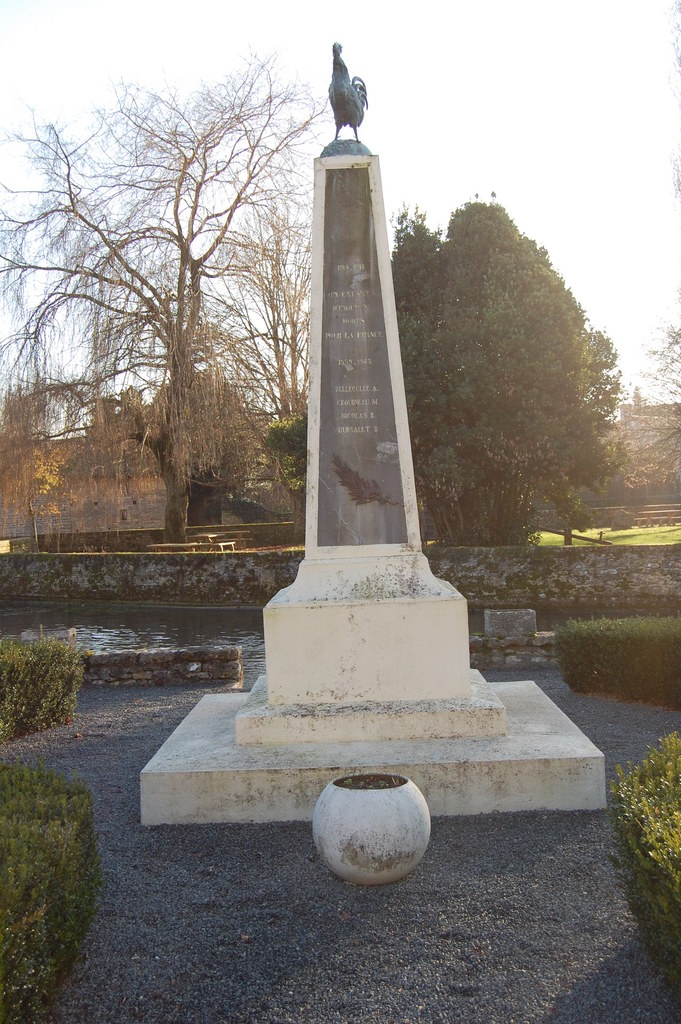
365 620
366 651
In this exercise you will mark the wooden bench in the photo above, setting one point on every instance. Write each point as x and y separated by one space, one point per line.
215 542
173 548
209 540
569 535
660 517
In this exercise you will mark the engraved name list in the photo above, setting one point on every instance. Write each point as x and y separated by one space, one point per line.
360 487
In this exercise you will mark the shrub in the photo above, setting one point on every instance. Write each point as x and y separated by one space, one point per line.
646 815
49 879
637 658
39 684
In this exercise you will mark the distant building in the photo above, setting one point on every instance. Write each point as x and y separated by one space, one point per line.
90 507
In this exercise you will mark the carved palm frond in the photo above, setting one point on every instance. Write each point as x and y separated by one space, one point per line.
361 491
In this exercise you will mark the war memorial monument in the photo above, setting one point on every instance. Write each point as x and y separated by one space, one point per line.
367 659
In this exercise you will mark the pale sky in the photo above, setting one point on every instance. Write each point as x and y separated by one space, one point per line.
568 112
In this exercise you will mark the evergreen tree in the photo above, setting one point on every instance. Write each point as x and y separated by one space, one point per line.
512 395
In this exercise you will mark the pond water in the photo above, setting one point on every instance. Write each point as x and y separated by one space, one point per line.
109 626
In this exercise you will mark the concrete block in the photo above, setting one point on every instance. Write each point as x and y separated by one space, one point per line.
510 621
68 636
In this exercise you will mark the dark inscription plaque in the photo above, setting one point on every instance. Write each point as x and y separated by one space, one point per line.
360 484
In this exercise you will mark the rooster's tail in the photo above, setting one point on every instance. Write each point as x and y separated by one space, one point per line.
361 90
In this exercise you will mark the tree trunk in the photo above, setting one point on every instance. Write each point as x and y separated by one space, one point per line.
298 508
34 520
177 501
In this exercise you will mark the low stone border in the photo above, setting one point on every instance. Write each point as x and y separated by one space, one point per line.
497 652
213 666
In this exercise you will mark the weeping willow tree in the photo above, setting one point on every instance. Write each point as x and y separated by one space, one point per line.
122 257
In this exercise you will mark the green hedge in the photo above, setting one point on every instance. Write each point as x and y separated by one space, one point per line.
49 879
637 658
39 685
646 815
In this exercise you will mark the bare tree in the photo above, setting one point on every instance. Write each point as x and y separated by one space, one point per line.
128 248
657 443
267 312
267 323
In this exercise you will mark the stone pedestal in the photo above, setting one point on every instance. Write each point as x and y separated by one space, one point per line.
261 722
378 628
542 762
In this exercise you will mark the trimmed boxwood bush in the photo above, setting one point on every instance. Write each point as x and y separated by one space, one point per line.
39 685
637 658
646 815
49 879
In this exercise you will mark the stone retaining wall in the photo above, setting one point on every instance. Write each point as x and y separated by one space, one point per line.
590 579
597 579
213 667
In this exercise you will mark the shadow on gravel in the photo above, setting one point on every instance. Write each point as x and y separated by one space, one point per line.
627 979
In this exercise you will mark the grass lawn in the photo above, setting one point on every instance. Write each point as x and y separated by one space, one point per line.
637 535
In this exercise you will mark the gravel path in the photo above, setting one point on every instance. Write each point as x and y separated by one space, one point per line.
509 918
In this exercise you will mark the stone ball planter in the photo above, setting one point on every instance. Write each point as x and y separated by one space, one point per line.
371 829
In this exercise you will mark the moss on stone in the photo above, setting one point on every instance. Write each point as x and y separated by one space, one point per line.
600 578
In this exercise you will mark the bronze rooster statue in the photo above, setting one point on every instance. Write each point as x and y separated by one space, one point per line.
348 98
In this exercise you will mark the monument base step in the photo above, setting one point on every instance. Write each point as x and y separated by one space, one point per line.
543 762
481 714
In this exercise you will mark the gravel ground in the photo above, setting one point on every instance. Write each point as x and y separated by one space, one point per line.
509 918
